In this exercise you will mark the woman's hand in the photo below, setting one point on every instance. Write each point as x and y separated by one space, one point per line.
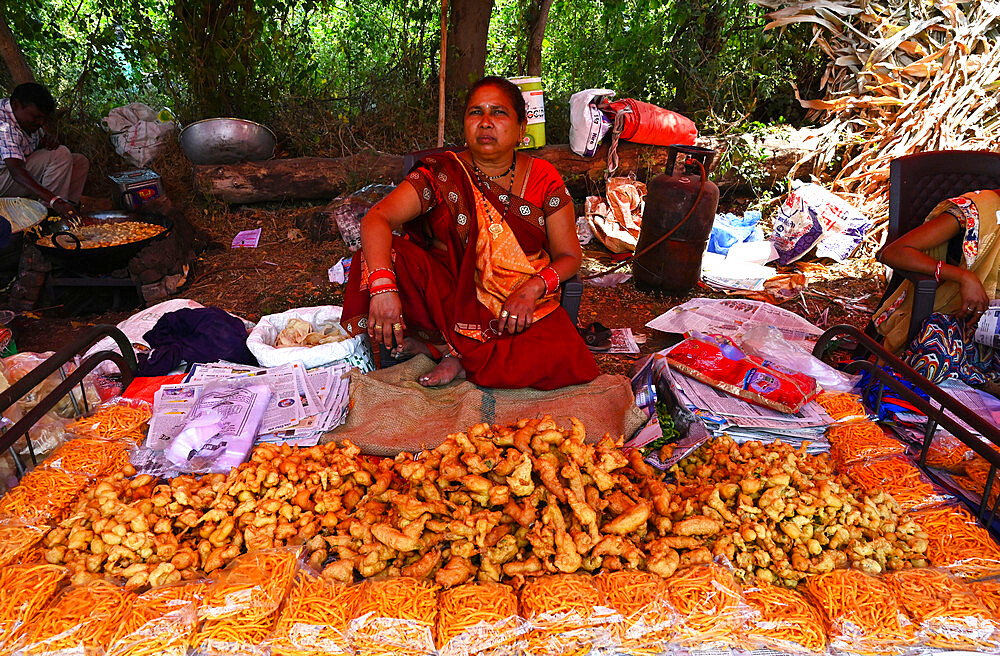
519 308
385 319
974 298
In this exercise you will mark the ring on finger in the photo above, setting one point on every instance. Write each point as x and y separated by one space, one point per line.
504 314
397 326
513 316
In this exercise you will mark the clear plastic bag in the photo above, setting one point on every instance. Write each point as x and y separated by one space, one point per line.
24 591
19 364
241 607
161 621
767 342
860 441
900 478
783 620
90 457
46 435
711 607
956 542
83 619
568 614
862 613
43 495
977 471
220 430
17 537
988 594
395 616
117 419
949 453
479 618
316 617
946 612
642 599
843 406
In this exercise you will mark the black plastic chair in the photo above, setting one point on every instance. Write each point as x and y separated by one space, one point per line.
917 183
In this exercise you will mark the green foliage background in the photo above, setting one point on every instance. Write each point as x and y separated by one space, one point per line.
331 76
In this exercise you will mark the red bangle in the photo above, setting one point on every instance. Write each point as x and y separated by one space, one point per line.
550 277
378 288
386 273
937 271
387 290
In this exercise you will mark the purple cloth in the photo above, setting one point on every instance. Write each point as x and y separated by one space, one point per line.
195 335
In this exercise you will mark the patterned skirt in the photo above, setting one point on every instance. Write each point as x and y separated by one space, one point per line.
941 350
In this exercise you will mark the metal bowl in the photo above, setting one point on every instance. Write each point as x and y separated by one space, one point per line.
226 140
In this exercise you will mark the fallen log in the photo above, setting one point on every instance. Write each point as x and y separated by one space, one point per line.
299 178
309 178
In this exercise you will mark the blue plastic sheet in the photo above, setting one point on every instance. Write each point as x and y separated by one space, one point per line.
730 229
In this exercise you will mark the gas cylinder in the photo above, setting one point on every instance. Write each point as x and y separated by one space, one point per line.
673 204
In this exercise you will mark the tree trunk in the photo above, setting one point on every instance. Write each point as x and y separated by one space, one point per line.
537 17
300 178
468 30
11 53
307 178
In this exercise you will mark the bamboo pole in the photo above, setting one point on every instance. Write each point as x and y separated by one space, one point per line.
441 71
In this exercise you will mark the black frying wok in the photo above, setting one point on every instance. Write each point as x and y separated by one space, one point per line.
67 252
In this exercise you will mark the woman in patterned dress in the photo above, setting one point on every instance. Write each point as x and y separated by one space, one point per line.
488 234
959 245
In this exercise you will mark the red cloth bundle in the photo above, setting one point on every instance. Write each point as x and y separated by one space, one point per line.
649 124
717 361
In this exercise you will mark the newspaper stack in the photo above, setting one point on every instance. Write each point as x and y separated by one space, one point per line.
718 412
721 412
743 421
304 403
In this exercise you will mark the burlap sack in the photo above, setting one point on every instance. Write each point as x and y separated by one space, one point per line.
391 412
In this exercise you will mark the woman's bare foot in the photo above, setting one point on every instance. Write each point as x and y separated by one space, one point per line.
446 371
411 346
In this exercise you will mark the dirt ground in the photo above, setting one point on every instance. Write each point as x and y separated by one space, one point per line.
288 270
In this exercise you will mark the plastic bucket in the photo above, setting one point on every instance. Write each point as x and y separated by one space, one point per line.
534 100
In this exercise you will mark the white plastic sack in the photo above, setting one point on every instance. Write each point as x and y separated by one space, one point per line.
136 132
356 351
814 216
587 124
767 342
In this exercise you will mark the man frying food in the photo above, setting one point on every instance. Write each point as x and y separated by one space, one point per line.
32 163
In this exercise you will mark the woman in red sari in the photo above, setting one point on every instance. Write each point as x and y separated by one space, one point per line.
489 233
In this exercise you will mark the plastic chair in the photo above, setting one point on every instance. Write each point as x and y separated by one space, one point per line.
917 183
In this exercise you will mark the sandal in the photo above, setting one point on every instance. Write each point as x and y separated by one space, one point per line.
597 337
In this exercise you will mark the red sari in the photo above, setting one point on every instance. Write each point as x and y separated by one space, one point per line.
440 278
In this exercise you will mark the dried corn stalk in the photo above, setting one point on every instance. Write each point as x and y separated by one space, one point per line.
903 77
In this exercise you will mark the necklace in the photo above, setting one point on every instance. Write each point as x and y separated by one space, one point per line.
495 227
482 174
